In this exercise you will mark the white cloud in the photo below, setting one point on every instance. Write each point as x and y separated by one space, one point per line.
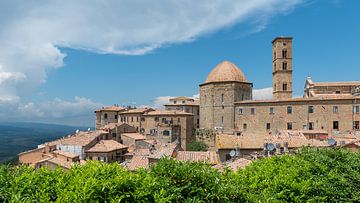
79 111
261 94
32 31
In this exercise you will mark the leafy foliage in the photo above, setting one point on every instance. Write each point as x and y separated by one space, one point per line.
314 175
198 146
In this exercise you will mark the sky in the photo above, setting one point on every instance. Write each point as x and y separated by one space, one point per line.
62 59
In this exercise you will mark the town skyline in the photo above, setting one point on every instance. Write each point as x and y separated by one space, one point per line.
86 78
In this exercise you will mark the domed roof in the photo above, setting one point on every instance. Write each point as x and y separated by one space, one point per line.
226 71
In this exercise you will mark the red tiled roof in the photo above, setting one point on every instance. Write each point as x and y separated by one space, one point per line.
107 146
210 157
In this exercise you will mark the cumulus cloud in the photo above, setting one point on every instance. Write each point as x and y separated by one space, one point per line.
33 32
261 94
79 111
160 101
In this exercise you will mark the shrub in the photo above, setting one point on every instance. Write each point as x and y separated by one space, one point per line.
315 175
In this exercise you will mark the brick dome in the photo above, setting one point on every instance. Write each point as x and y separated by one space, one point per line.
226 71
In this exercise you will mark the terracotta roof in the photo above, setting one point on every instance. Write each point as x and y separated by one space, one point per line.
295 139
107 146
138 162
210 157
58 161
163 150
137 111
226 71
234 165
346 83
114 125
167 113
112 108
135 136
82 138
65 154
182 98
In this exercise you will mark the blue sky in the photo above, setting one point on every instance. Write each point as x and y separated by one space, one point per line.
105 69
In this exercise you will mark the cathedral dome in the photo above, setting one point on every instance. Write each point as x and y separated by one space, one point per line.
226 71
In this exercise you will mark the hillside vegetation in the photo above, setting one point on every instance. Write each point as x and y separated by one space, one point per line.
18 137
325 175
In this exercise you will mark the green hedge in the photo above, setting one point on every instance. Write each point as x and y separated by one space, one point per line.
325 175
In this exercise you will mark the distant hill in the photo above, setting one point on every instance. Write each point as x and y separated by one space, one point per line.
16 137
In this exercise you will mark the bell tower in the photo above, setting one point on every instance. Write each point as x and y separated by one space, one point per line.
282 67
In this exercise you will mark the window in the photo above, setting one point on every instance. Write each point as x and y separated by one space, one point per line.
289 126
335 109
166 133
274 55
174 102
183 102
105 116
137 118
336 125
222 119
284 53
114 135
178 120
337 92
284 44
356 125
284 66
244 126
311 126
274 87
163 120
156 119
253 111
289 110
132 119
284 87
241 111
310 109
268 126
356 109
116 116
271 110
142 118
222 98
121 119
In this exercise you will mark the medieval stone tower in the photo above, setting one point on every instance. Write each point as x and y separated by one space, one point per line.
224 85
282 67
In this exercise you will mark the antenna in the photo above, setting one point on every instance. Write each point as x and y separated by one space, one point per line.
89 129
331 142
77 131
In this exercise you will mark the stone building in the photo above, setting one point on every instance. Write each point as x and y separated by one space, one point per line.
282 67
225 85
107 115
169 126
133 117
187 105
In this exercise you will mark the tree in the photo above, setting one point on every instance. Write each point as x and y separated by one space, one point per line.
198 146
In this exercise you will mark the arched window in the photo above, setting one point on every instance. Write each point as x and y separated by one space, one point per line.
284 53
284 87
284 65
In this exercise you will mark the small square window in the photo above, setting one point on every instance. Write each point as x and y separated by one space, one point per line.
289 126
335 109
356 125
356 109
311 126
268 126
244 126
289 110
310 109
271 110
253 111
